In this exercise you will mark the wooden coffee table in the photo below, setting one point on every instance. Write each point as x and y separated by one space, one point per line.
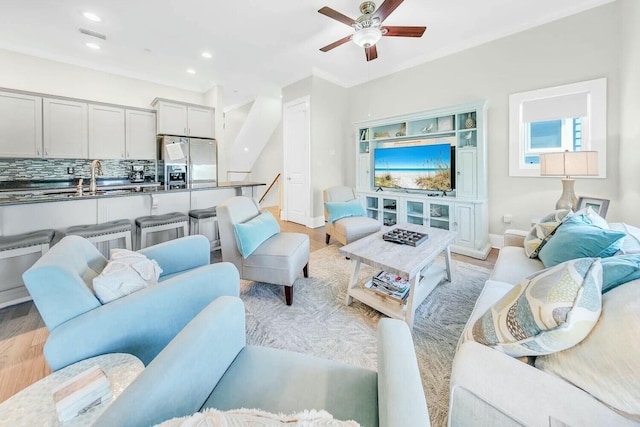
412 263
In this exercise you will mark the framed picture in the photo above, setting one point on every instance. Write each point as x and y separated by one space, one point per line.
598 205
445 123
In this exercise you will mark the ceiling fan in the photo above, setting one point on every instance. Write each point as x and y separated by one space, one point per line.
368 27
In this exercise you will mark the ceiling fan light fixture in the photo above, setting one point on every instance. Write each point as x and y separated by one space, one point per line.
367 37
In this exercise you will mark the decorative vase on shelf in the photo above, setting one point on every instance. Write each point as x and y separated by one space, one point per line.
470 123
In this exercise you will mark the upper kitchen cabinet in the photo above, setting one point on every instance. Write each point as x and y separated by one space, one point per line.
64 128
176 118
20 125
200 122
119 133
106 132
140 127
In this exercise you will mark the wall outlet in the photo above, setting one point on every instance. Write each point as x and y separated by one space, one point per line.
507 218
71 170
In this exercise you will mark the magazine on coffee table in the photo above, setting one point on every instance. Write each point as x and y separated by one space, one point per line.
391 281
389 285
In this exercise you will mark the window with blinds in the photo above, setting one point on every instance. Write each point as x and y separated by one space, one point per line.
563 118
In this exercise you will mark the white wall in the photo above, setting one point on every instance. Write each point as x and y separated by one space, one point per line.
329 127
269 162
329 113
233 121
29 73
630 109
581 47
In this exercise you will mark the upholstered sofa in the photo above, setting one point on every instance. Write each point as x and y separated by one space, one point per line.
209 365
141 323
489 387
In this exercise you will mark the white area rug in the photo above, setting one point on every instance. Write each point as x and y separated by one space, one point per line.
320 323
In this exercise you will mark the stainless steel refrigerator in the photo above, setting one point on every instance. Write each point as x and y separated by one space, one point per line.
189 162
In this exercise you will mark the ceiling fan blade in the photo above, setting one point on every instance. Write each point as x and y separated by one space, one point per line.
371 52
386 8
404 31
327 11
335 44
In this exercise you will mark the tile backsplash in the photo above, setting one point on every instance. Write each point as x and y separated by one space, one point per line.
56 169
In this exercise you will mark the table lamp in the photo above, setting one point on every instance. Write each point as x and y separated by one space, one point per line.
568 164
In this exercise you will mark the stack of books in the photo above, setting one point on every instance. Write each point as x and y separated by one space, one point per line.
390 285
81 393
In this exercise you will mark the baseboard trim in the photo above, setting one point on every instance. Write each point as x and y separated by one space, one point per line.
470 252
316 222
496 240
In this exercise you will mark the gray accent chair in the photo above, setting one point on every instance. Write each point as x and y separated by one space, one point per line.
278 260
350 229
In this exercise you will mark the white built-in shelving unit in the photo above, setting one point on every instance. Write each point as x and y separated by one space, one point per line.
463 210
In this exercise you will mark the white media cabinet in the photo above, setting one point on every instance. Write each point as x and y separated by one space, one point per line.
463 210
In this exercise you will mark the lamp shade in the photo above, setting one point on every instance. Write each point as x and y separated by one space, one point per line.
569 163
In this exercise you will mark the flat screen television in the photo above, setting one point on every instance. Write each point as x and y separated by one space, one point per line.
415 167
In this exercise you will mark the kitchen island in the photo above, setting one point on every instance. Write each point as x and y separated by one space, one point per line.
58 207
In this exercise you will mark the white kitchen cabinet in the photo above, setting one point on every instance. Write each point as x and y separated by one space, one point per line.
140 142
20 125
200 122
172 118
64 129
106 132
175 118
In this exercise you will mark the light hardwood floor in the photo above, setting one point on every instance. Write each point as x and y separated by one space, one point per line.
23 334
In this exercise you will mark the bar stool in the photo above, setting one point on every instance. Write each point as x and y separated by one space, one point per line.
112 230
154 223
23 244
197 215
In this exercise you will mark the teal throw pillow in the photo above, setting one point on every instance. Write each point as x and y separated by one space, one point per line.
619 269
251 234
576 239
339 210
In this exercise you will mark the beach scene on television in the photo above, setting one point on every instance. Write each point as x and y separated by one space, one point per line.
417 167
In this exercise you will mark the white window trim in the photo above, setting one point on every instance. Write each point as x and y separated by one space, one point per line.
595 139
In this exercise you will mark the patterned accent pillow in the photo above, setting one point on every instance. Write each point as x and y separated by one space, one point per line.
549 311
542 232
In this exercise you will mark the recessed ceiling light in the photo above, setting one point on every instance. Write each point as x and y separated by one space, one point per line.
191 71
207 55
93 46
92 17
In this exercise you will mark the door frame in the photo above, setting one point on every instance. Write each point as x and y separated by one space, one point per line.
284 215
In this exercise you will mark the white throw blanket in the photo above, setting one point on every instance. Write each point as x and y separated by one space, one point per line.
125 273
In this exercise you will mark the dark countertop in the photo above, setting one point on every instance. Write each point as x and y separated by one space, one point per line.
21 192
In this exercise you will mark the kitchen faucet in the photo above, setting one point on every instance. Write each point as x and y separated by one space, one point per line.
92 185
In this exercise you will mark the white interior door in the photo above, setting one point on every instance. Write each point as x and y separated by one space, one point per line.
297 170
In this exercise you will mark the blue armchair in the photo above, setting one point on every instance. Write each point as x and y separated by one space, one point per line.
209 365
141 323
